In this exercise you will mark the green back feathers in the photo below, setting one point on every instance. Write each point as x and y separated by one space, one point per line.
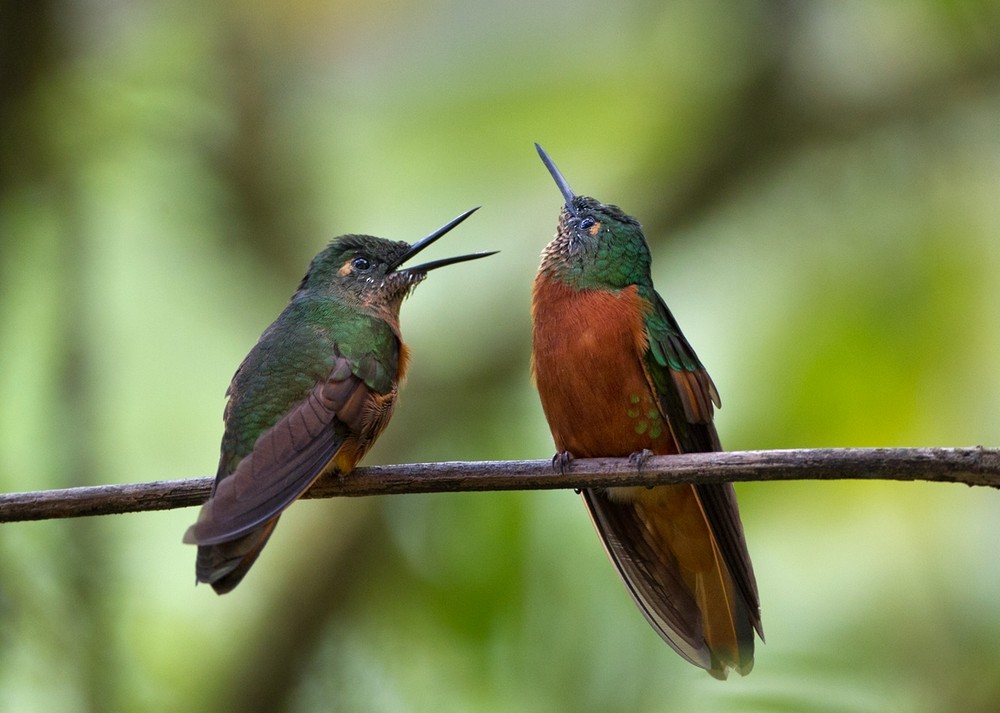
667 344
296 352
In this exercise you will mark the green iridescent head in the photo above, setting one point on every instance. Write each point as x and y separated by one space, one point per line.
368 270
597 245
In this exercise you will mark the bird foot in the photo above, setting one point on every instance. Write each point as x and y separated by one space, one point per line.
561 461
639 458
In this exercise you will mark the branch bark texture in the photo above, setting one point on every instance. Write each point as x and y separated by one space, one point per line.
971 466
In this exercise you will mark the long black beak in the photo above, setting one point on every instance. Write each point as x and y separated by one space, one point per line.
423 243
560 181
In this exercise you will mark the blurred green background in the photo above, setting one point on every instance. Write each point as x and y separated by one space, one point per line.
820 183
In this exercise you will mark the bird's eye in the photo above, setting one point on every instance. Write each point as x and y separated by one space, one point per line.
360 264
587 223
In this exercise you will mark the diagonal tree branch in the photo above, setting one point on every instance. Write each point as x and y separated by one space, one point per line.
972 466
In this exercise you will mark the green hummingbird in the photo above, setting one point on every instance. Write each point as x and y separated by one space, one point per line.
616 377
312 395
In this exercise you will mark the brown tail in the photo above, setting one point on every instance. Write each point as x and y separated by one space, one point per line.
224 565
674 566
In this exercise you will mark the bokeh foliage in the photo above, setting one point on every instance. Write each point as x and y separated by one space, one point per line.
819 182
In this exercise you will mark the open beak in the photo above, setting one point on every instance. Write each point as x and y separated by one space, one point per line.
434 264
560 181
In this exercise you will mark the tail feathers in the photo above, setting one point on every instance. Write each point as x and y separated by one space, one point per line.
665 552
225 564
727 624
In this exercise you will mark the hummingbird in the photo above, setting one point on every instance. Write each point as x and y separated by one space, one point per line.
312 395
616 377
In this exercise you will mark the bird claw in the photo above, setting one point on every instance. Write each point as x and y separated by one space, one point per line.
561 460
639 458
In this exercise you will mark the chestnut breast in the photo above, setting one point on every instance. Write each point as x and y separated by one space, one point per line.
587 361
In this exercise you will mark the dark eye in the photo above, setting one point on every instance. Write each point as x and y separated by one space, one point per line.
360 264
587 223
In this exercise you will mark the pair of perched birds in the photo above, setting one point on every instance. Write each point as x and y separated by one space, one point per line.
615 375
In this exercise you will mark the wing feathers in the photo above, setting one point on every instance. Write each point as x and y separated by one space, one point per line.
727 590
287 458
270 478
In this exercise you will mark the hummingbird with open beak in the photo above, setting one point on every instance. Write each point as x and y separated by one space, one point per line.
312 395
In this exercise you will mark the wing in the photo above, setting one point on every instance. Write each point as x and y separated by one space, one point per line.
331 427
687 396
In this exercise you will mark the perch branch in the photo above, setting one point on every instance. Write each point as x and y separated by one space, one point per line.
972 466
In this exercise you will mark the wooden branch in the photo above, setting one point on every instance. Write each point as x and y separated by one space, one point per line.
972 466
